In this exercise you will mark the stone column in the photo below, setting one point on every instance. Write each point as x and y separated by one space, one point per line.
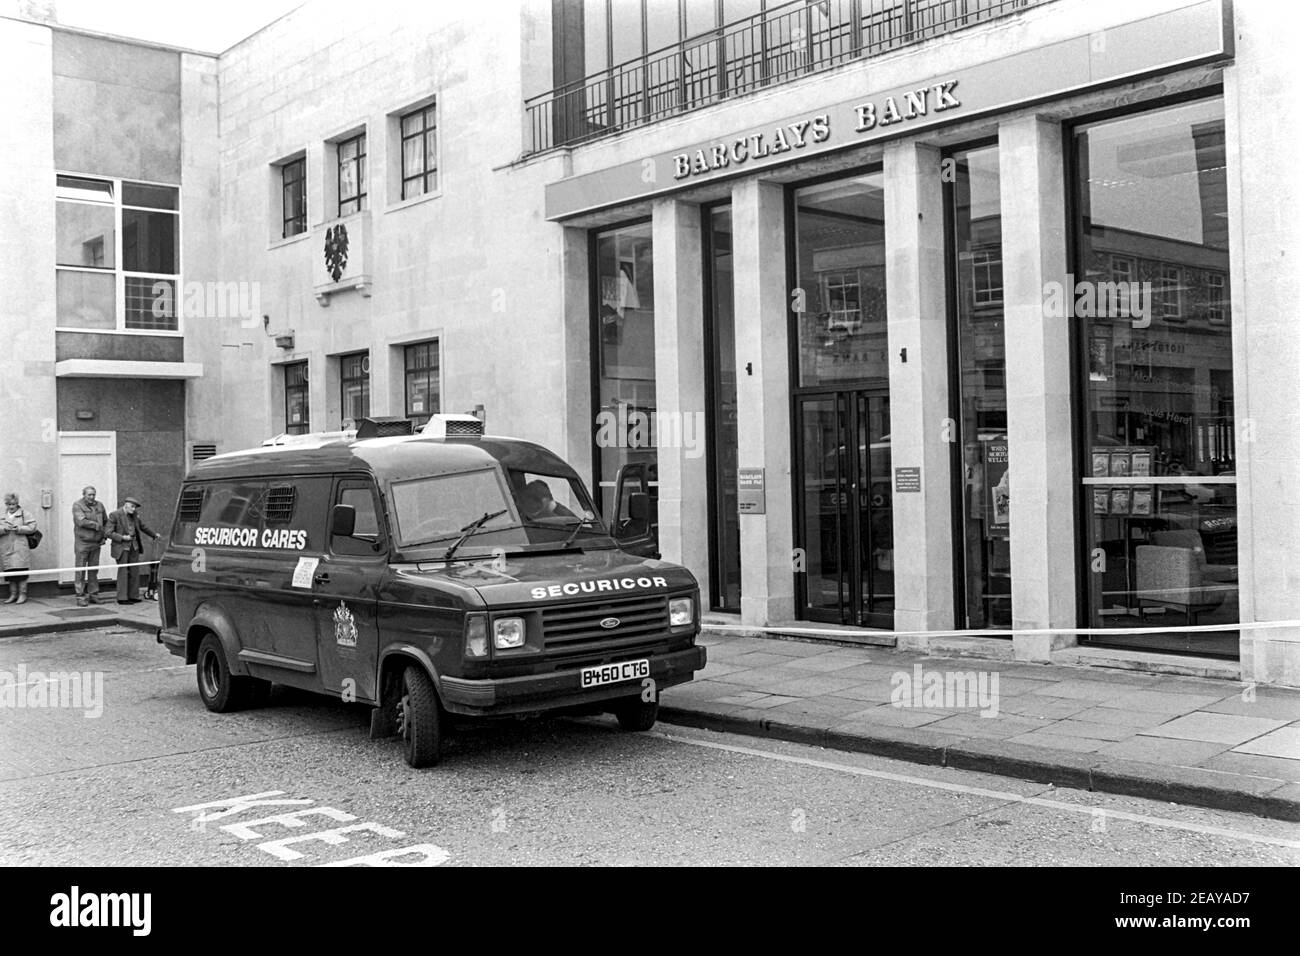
1263 236
679 387
921 432
1039 425
763 398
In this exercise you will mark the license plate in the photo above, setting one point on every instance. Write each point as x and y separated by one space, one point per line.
613 673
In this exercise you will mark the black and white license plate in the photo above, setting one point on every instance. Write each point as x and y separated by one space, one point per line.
613 673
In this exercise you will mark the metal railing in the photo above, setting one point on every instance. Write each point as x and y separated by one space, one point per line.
769 48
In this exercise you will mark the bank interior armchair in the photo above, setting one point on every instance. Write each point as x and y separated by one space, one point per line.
1173 577
1190 539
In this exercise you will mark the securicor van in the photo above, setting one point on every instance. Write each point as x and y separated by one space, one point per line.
423 577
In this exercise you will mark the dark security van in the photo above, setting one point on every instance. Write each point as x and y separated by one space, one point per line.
423 577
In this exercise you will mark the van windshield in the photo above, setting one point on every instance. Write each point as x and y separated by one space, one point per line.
526 508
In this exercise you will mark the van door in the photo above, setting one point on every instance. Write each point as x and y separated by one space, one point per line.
346 591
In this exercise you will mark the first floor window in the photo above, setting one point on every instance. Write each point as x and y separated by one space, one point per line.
422 395
297 417
294 192
352 175
354 384
420 152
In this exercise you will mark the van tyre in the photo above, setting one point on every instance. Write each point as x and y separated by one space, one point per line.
419 719
636 714
221 690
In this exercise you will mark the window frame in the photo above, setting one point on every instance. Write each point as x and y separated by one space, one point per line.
345 380
304 427
434 170
118 270
300 163
433 379
361 161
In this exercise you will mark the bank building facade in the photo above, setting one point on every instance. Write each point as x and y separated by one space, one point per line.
960 325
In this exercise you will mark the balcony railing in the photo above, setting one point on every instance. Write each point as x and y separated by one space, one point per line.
770 48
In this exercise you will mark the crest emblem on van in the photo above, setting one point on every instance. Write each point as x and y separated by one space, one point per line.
345 627
610 623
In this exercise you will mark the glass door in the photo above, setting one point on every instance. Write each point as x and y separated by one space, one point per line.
847 527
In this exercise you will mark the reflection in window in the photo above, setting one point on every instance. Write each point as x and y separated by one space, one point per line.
354 387
293 187
625 338
1160 460
419 130
352 175
297 419
422 400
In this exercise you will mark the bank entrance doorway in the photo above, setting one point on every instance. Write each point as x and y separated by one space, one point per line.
846 505
844 521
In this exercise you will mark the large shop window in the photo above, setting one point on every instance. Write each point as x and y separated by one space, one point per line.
627 462
981 358
1152 316
724 448
117 255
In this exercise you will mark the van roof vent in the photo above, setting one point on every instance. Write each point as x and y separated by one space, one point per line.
382 427
453 426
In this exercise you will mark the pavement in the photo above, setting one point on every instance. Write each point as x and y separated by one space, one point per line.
1196 741
1188 740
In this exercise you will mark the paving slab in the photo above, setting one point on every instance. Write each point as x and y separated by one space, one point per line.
1044 738
1183 753
1275 706
1076 689
1215 728
1112 714
823 662
1038 705
1072 727
1283 742
1256 766
813 686
1000 727
889 716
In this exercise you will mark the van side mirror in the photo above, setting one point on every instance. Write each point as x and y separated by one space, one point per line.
343 521
638 506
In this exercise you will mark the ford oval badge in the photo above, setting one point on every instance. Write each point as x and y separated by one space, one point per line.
610 623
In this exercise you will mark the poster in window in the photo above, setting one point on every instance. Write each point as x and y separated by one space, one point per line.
1100 464
1120 501
1101 501
1121 464
1100 358
1142 498
997 484
1142 463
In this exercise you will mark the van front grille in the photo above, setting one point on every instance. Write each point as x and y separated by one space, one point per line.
574 626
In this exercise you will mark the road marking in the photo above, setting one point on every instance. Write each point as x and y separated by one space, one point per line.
982 792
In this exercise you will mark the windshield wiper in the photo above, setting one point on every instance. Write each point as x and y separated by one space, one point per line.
469 529
584 523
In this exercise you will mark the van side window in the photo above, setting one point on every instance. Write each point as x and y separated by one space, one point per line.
367 533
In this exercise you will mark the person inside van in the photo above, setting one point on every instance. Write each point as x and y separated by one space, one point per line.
539 503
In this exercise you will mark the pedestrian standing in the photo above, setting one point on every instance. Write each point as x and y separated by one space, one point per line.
124 529
89 523
15 552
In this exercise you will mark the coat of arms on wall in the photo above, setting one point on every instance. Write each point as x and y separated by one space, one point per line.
345 627
336 250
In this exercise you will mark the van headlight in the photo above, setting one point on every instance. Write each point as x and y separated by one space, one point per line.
681 612
508 632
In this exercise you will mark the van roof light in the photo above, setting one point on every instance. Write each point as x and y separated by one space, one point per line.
453 426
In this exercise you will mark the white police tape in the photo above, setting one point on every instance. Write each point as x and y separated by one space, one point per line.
84 567
795 630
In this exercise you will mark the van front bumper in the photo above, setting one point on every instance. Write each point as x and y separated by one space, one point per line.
560 689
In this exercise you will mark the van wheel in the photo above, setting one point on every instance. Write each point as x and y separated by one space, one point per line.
636 714
220 690
418 719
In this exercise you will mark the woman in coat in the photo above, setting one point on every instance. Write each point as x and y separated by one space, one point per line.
15 553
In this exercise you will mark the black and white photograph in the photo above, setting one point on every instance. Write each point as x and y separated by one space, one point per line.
580 433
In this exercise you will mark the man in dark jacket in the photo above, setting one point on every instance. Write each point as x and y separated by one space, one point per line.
89 520
124 530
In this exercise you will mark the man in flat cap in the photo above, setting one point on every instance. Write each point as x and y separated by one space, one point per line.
124 530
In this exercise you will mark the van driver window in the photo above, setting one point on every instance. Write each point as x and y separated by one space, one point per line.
366 533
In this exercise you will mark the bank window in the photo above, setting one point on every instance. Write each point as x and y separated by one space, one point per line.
1157 409
354 386
352 175
421 372
844 302
117 255
419 131
293 193
297 415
